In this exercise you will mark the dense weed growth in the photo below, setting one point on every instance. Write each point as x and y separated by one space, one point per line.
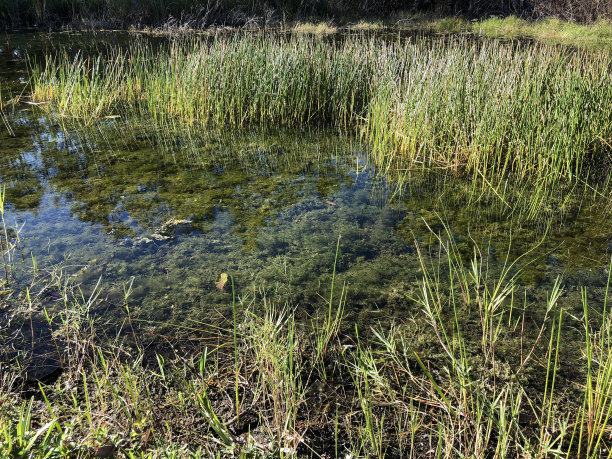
490 108
550 30
461 378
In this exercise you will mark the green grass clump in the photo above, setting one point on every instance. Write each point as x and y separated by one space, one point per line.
319 28
230 82
597 34
449 25
551 30
367 26
490 108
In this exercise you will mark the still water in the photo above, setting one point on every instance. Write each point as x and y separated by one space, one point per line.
168 209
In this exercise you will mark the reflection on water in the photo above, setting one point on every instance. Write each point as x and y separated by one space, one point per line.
173 208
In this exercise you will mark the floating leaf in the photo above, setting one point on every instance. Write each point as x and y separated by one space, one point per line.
222 281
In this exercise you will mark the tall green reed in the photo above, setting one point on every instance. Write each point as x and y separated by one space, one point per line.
593 428
327 330
451 395
495 108
489 107
226 82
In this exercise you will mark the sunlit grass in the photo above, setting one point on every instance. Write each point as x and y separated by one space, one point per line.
495 108
551 30
450 25
463 377
367 26
315 28
491 108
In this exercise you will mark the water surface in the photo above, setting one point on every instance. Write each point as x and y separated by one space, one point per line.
170 208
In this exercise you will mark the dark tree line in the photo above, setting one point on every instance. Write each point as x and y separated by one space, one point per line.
24 13
572 10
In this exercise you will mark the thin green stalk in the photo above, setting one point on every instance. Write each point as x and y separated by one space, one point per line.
236 362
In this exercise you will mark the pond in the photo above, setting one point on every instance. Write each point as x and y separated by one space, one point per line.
371 260
169 209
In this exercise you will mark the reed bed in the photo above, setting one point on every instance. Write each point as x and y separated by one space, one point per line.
229 82
495 108
488 107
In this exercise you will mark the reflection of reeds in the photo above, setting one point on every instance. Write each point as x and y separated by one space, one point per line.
491 108
4 118
9 238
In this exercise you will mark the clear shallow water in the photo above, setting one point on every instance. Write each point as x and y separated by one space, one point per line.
266 209
173 208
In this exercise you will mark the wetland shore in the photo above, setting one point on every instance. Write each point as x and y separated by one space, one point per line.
305 243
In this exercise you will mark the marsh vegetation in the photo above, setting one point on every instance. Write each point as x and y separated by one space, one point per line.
302 244
489 107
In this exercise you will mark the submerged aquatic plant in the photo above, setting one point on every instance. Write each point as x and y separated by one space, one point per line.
3 116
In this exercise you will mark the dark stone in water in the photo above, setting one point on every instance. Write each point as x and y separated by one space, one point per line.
105 451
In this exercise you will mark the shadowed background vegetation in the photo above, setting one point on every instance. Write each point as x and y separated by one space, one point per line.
199 13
